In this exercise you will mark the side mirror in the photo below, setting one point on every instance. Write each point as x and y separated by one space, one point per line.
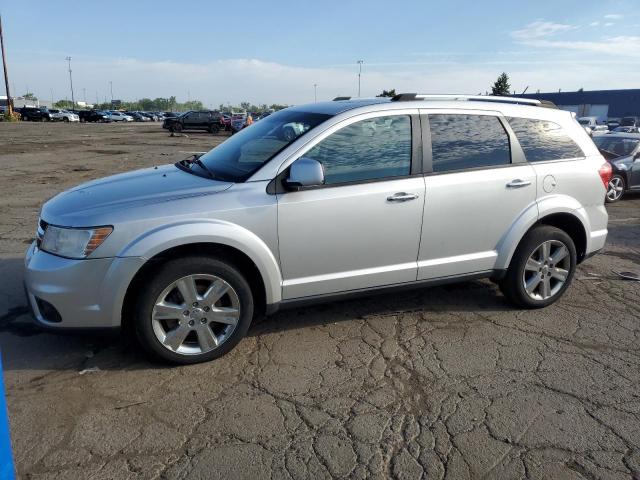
305 172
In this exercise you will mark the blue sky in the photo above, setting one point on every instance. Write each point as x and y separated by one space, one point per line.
275 51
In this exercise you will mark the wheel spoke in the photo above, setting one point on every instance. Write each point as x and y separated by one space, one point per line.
533 282
559 274
166 311
206 338
215 292
176 337
533 265
546 287
546 251
187 288
226 315
559 254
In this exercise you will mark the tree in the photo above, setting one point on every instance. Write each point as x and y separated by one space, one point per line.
501 87
388 93
29 96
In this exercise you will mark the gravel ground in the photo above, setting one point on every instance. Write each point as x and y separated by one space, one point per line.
447 382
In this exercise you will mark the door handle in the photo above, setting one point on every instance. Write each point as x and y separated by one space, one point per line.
517 183
402 197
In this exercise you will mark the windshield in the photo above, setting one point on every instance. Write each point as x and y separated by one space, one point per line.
240 156
619 146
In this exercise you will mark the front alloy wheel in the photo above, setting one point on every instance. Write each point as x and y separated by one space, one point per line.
196 314
615 189
546 270
192 309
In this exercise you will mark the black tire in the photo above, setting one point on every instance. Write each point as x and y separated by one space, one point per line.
177 127
214 129
65 119
612 197
512 285
169 272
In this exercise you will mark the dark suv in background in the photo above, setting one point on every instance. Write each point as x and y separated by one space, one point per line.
36 114
93 115
195 120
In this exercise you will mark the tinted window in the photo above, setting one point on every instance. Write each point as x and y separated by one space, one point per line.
468 141
366 150
543 140
617 146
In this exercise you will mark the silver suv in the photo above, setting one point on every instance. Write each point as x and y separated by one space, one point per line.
321 201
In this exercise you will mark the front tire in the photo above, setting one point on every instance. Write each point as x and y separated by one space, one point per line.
193 309
541 268
615 189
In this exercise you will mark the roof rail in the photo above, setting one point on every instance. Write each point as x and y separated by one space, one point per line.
406 97
337 99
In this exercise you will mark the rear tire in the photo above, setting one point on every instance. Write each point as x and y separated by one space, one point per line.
201 325
213 129
541 269
177 127
615 189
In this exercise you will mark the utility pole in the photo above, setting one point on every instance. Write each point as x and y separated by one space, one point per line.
51 97
111 88
84 96
6 74
315 93
73 100
360 62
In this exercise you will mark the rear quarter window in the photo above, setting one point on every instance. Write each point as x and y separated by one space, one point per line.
542 140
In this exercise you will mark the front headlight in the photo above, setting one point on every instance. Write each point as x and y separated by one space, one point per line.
74 242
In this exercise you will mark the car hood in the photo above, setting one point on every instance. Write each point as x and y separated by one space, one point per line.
98 199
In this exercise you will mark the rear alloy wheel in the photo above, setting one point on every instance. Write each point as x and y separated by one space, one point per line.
615 189
541 268
194 309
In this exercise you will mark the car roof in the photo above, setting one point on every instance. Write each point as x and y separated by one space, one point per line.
507 108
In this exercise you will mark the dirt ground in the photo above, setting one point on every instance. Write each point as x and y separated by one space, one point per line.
447 382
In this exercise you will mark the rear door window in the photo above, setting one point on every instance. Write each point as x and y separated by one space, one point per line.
543 140
460 142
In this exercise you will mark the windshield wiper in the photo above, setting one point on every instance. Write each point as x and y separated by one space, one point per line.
187 162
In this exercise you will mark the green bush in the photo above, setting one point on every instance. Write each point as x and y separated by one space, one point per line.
10 118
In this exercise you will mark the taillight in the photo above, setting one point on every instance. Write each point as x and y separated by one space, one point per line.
606 173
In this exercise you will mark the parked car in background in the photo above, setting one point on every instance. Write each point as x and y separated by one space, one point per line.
591 124
208 120
137 116
36 114
622 151
626 130
93 116
190 253
629 122
612 123
238 122
64 115
116 116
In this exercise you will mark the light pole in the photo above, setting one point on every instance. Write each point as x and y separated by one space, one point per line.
111 89
84 95
360 62
73 101
6 74
315 93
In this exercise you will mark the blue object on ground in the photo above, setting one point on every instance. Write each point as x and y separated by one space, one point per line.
6 460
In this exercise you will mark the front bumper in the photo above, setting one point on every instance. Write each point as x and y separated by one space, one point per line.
67 293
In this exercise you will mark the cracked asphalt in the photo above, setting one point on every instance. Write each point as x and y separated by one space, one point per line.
448 382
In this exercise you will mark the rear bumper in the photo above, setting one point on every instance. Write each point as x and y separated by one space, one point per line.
67 293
